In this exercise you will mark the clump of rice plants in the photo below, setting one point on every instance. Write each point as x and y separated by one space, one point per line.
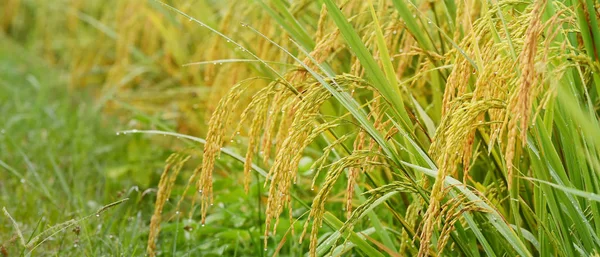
431 128
460 119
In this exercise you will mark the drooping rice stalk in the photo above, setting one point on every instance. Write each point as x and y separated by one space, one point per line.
167 181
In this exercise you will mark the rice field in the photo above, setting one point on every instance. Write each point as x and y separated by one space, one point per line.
300 128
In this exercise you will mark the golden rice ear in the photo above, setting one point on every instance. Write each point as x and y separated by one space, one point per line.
320 163
353 172
521 103
400 186
321 24
259 106
172 168
202 175
447 152
285 166
318 206
452 212
276 113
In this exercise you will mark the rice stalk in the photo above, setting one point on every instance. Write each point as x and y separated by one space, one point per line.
174 165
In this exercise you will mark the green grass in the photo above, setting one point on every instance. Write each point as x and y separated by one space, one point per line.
56 155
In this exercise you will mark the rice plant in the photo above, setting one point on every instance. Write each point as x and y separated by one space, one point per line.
407 128
466 120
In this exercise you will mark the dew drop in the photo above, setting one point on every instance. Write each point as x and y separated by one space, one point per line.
98 215
203 225
75 245
265 249
117 133
395 32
